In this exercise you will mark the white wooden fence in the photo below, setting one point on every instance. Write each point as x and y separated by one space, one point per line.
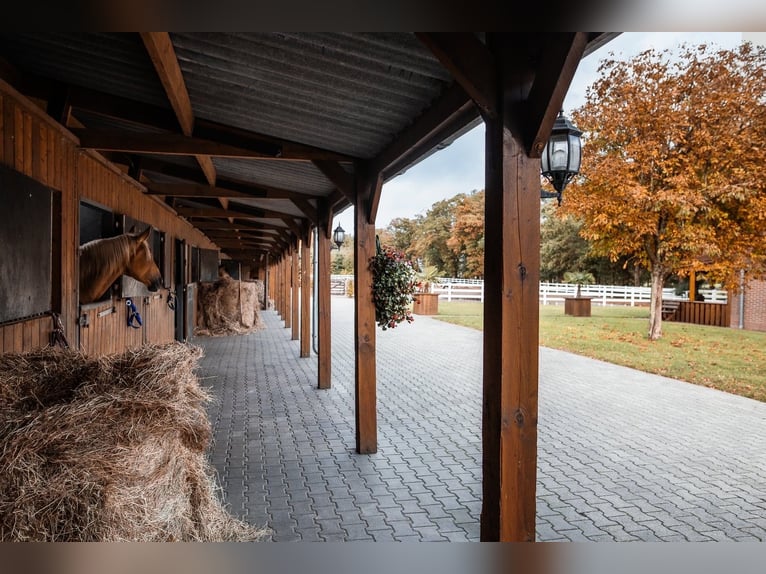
452 289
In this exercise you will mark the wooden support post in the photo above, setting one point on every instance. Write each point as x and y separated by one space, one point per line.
266 282
693 286
324 331
295 293
281 287
306 295
511 330
364 329
287 315
278 287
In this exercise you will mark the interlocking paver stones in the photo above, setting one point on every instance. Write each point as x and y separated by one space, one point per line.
622 455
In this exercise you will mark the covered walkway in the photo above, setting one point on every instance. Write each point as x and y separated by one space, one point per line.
623 455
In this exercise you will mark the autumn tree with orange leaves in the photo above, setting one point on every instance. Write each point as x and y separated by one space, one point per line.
467 238
673 176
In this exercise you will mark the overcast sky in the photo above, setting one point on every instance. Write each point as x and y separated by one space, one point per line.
459 168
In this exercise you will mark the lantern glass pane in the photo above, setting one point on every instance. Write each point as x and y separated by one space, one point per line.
559 154
575 153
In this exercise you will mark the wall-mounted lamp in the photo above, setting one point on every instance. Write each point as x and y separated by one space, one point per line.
338 236
561 157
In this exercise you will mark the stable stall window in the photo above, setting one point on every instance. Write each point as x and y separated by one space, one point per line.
97 222
29 227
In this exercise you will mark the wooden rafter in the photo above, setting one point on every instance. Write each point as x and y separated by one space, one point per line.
308 210
339 177
559 61
239 224
162 54
161 144
470 63
241 211
446 116
223 189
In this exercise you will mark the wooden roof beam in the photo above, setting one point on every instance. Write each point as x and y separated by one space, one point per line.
470 63
238 224
308 210
222 189
234 210
561 55
163 56
446 116
339 177
162 144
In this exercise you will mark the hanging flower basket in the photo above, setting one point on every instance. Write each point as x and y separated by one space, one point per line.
393 284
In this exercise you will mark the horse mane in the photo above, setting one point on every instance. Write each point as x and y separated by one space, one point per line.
104 257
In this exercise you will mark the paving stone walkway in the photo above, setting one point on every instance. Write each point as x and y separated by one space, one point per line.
623 455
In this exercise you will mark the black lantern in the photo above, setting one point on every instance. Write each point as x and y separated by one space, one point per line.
338 236
562 154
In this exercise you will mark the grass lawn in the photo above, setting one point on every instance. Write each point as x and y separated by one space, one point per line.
727 359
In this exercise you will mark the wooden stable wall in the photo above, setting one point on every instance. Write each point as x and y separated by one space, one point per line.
34 144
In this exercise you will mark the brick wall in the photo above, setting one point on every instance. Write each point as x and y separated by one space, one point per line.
755 307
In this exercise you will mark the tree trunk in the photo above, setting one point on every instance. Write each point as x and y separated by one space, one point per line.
655 306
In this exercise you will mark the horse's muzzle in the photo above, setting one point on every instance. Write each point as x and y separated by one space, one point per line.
155 285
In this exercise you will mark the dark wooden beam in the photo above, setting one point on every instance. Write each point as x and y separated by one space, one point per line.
163 56
511 316
248 254
239 224
159 144
339 177
324 302
223 188
134 167
559 60
470 63
364 327
446 116
295 292
234 210
374 200
58 105
242 233
308 210
290 222
305 296
324 213
287 316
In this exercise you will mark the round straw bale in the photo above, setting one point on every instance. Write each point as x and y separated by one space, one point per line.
228 307
109 449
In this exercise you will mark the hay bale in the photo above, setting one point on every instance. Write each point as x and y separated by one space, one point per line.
228 307
109 449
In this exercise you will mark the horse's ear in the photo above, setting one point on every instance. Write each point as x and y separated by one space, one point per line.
144 235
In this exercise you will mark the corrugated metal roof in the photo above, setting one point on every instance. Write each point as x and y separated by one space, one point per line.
114 63
298 176
349 93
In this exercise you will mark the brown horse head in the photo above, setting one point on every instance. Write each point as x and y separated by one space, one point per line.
141 265
102 261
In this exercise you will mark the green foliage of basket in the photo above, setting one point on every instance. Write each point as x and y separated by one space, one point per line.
393 284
